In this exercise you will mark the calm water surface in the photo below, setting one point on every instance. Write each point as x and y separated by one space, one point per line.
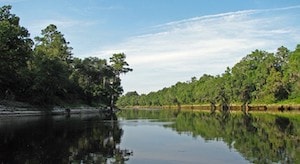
150 137
153 142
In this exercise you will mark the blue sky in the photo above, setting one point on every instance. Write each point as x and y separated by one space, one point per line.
166 41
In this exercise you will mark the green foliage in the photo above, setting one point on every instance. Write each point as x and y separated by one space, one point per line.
15 51
260 77
293 72
119 64
53 44
50 67
92 77
48 74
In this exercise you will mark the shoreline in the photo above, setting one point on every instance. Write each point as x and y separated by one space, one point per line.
233 107
14 108
57 111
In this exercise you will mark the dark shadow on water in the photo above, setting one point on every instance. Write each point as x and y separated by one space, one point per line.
85 138
248 122
284 125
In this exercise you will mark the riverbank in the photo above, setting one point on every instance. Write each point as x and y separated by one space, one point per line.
232 107
14 108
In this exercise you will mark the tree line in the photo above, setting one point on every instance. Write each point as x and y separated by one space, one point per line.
44 71
260 77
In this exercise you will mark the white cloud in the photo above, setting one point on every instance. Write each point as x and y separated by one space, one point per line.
179 50
63 24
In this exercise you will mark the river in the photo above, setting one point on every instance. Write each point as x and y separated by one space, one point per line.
151 137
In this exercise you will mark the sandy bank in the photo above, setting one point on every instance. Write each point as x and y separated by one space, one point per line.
12 108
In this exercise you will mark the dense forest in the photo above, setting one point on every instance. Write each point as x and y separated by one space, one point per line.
260 77
44 71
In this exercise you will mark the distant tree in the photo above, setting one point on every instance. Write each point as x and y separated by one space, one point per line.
293 72
282 57
133 93
193 79
204 93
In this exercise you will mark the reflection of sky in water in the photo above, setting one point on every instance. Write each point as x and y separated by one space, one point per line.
151 142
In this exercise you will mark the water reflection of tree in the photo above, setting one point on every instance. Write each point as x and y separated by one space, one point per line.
260 138
102 142
63 141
